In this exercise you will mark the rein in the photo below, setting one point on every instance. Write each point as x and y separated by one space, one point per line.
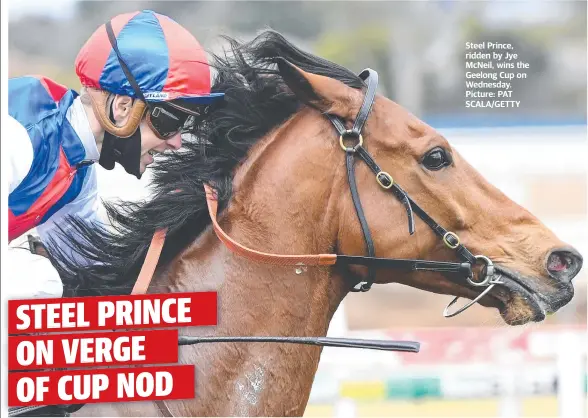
301 260
154 252
323 259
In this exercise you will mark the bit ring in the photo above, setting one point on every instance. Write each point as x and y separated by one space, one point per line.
488 273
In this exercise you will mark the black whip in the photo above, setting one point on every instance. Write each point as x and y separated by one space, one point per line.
386 345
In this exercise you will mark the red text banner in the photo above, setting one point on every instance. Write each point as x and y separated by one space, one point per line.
92 349
101 385
112 312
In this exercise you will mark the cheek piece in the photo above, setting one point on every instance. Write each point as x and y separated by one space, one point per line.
125 151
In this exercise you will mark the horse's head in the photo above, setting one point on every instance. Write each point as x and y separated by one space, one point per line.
536 266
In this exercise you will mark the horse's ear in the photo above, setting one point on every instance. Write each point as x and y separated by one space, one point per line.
323 93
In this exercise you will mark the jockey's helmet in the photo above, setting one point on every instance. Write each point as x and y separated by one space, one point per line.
149 57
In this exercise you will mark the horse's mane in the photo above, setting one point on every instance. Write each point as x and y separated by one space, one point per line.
256 101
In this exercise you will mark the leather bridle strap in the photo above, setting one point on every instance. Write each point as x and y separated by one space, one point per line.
355 133
449 238
325 259
384 179
150 263
349 162
366 107
258 256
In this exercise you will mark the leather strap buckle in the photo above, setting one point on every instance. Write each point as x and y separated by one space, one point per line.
384 179
451 240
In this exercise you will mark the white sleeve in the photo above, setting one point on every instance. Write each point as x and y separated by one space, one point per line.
85 207
20 152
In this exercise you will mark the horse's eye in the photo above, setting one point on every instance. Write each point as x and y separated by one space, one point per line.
436 159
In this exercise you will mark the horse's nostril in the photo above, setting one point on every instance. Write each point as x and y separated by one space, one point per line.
558 262
564 264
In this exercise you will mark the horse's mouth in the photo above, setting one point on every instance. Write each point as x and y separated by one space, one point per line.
519 301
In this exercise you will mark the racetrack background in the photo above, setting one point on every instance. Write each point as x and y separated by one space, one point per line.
470 365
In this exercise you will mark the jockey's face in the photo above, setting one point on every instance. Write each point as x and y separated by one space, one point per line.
152 144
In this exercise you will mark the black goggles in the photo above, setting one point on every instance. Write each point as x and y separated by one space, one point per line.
166 121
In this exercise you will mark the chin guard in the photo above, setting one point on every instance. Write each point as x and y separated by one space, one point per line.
126 152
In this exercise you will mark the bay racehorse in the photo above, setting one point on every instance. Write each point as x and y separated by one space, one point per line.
305 158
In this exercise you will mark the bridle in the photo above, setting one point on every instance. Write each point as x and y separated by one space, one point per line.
461 272
385 180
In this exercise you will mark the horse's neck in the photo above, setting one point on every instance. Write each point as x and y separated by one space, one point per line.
269 379
254 299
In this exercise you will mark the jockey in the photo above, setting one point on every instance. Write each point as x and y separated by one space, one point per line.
144 79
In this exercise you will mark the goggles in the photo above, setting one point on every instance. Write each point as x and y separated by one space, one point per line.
167 120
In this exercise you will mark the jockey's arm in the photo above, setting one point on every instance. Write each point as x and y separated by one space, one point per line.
27 275
85 207
34 276
31 275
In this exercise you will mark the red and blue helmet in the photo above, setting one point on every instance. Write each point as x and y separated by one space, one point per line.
166 61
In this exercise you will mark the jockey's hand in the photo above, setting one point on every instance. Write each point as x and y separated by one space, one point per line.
36 246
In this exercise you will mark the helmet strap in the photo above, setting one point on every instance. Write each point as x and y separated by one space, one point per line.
125 151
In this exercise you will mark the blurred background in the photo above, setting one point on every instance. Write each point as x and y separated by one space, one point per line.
470 365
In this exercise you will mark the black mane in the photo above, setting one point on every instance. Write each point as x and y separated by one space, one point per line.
256 101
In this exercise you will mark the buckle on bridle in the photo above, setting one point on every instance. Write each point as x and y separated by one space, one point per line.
453 237
384 179
350 133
